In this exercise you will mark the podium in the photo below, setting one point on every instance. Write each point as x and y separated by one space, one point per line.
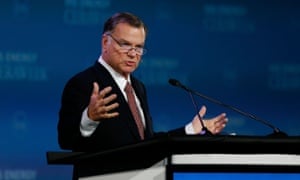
169 157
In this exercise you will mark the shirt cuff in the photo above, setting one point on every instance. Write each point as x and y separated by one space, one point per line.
189 129
87 126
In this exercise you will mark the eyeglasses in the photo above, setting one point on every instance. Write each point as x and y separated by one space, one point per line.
126 47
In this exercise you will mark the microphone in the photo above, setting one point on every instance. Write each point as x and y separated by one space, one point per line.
204 130
276 131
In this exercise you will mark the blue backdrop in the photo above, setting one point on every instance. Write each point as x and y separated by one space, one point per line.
243 53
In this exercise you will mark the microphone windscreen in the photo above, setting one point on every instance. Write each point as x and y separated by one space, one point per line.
174 82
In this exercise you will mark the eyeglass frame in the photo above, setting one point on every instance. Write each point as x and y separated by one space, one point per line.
127 48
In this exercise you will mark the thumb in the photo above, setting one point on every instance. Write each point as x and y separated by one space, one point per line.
95 89
202 111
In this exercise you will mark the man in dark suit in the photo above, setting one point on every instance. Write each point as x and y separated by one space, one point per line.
94 112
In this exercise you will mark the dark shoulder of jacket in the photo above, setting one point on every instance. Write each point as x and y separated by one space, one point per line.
80 79
86 74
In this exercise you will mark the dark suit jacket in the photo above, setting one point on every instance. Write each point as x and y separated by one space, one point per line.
110 133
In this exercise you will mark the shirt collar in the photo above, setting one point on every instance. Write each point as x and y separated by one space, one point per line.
120 80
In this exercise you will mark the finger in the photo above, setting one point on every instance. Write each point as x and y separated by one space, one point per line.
220 125
95 89
202 111
93 101
221 118
104 111
107 109
109 99
217 129
111 107
111 115
104 91
107 114
220 128
102 103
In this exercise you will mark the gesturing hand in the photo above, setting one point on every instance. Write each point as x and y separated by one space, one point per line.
214 125
100 106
